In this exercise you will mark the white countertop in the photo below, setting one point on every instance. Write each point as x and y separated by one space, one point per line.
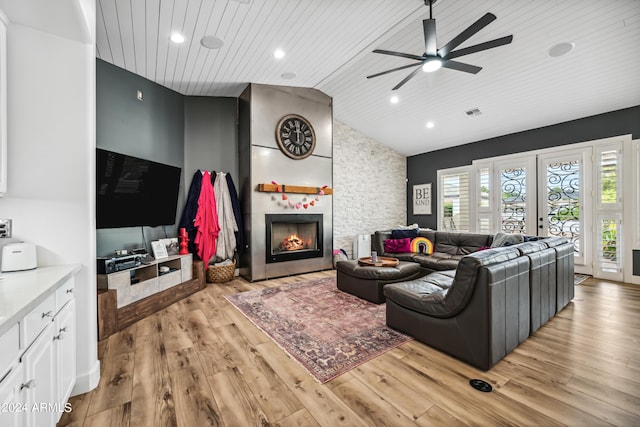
22 291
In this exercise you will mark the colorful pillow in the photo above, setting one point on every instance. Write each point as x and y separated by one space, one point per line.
421 245
403 234
397 245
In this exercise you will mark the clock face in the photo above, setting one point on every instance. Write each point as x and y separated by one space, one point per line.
295 136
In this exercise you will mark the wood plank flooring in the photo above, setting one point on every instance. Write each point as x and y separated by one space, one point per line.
199 362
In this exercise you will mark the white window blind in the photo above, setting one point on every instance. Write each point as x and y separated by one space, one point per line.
608 178
454 201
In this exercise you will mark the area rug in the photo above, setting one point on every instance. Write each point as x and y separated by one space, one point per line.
326 330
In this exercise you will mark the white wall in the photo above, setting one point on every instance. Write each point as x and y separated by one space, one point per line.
369 181
51 164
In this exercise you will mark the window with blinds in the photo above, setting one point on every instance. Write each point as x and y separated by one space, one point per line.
454 201
608 174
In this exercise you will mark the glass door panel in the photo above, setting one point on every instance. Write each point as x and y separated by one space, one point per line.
561 199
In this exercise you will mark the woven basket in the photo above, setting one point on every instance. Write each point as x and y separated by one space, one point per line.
221 273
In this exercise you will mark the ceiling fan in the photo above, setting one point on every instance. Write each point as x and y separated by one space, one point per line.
433 58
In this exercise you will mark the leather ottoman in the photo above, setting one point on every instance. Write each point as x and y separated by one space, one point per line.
366 282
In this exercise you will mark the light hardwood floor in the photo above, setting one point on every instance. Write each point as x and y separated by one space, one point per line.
200 362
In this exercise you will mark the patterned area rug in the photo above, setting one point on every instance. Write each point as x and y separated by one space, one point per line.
328 331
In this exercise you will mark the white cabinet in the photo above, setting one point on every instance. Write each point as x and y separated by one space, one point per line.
12 397
64 343
38 362
39 380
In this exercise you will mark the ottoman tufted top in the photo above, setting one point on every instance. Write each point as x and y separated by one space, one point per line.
403 269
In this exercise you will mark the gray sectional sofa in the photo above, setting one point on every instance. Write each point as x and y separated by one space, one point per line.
478 305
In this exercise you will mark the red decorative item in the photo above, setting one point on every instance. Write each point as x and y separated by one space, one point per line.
284 197
184 241
305 205
313 202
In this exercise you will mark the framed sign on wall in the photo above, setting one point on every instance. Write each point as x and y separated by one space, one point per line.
422 199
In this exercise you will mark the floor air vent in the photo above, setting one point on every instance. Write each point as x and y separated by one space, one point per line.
481 385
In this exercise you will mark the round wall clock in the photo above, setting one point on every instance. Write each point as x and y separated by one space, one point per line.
296 137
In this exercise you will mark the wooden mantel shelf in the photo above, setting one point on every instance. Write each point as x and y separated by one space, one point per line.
283 188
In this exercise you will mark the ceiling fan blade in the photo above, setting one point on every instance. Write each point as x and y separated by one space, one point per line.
400 54
466 34
430 46
406 79
461 66
392 70
480 47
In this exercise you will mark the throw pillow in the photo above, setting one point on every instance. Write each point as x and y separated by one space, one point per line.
421 245
397 245
504 239
403 234
407 227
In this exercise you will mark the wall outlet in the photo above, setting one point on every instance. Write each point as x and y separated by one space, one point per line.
5 228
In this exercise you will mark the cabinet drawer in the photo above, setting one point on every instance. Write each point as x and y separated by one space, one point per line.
10 346
64 293
37 319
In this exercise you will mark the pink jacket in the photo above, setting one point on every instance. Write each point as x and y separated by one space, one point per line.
206 221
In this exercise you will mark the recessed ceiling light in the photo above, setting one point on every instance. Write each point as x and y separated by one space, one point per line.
430 125
394 99
177 38
279 53
212 42
288 76
561 49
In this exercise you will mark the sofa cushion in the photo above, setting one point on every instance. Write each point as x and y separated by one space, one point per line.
459 243
437 261
504 239
423 295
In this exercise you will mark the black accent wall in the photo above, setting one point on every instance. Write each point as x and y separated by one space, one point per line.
167 127
423 168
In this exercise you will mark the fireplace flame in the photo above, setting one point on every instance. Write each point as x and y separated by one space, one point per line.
292 243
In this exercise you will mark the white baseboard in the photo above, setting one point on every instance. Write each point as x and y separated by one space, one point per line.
88 381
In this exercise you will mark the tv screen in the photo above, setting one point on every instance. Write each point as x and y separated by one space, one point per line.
131 191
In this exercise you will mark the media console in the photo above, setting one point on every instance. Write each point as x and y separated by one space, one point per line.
124 297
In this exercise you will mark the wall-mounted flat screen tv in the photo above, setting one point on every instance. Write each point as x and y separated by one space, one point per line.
131 191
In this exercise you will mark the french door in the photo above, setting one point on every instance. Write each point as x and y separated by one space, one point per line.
563 193
540 195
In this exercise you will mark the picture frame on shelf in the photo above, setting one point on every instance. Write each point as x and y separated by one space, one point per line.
422 199
159 249
172 245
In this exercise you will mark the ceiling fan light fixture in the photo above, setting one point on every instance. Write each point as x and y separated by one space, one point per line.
431 65
394 99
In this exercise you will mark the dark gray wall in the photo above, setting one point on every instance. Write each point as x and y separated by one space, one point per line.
167 127
423 168
210 136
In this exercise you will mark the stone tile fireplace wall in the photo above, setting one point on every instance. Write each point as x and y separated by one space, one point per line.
262 162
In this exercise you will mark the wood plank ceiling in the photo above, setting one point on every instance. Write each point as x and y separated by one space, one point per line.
328 46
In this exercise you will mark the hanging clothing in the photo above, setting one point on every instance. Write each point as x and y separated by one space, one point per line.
191 209
235 203
226 244
206 221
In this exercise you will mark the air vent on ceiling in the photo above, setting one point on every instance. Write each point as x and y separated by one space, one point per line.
474 112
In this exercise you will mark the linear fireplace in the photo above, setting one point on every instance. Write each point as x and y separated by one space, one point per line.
292 237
